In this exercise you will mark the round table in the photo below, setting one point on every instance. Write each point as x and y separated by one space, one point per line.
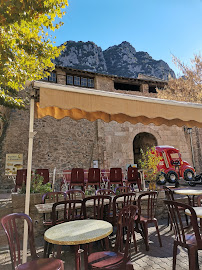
189 192
198 211
78 232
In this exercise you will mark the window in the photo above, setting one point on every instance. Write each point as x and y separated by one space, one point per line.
69 79
76 80
51 78
80 81
90 83
126 86
84 82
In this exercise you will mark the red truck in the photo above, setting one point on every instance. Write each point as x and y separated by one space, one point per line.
172 166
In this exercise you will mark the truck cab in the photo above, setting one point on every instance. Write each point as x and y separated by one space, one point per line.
172 167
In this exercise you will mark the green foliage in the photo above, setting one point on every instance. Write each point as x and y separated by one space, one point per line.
149 161
37 185
26 47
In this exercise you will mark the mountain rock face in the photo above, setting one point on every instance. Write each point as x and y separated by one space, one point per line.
121 60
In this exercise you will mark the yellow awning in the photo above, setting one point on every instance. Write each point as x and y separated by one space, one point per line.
60 101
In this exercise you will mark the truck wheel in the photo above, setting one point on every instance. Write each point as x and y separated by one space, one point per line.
188 175
172 177
161 179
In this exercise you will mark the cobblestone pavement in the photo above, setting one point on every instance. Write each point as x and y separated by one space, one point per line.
156 258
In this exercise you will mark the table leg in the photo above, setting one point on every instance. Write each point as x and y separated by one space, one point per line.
77 258
85 256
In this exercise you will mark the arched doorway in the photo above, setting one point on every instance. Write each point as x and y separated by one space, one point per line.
142 141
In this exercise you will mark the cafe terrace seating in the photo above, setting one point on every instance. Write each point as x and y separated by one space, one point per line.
192 241
169 194
133 177
105 191
77 178
12 232
93 178
147 215
115 177
119 258
74 194
53 197
44 173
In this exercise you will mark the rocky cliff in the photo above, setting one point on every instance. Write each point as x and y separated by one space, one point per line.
121 60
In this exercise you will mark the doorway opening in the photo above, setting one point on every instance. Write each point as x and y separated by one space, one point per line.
142 141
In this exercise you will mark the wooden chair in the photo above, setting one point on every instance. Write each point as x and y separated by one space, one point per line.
169 194
115 177
93 177
148 215
9 223
192 240
52 197
77 178
199 203
44 173
105 191
21 177
133 177
74 194
119 258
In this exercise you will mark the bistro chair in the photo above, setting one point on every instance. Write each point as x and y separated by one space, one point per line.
133 177
100 205
93 178
192 240
122 190
44 173
77 178
199 203
105 191
74 194
119 258
52 197
146 214
169 194
21 177
10 223
63 211
115 177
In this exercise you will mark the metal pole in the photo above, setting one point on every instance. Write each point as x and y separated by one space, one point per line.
192 149
28 183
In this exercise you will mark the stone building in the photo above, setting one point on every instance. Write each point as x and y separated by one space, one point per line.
67 143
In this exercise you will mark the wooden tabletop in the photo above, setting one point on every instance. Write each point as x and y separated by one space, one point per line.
187 192
198 211
78 232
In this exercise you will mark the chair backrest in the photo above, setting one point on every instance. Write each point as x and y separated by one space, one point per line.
133 174
105 191
74 194
13 227
120 201
149 199
174 209
44 173
122 190
55 196
101 205
199 200
115 175
77 176
73 210
126 219
21 177
169 194
94 175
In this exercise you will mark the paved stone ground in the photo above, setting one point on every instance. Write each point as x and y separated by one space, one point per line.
156 258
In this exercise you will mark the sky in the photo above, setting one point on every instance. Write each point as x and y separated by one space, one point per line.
160 27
